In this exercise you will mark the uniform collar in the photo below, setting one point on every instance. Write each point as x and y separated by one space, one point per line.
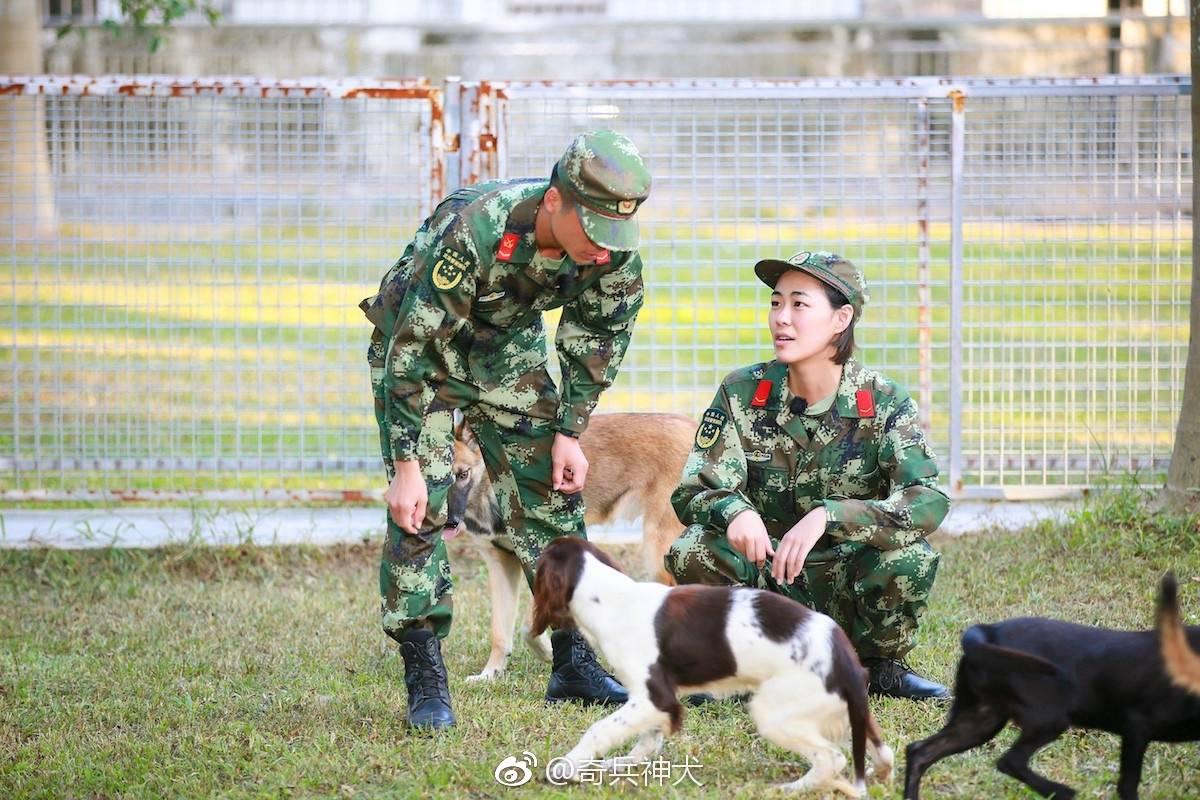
854 378
776 373
521 224
833 422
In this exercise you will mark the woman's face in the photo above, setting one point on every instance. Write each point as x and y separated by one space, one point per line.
802 322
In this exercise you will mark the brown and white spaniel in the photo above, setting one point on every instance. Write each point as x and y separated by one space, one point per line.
662 642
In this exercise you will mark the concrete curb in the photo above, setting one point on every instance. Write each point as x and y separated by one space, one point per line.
157 527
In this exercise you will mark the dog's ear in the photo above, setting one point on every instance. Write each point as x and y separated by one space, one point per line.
462 431
549 599
553 585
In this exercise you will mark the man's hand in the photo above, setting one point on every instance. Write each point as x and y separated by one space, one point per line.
748 535
407 497
796 544
568 466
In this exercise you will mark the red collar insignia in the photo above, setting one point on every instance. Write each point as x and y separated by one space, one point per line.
866 403
761 394
508 244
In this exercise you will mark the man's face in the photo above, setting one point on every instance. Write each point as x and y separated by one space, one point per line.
567 231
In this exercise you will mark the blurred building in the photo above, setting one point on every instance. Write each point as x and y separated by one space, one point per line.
632 39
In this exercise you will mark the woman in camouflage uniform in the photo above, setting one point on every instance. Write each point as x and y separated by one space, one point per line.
811 477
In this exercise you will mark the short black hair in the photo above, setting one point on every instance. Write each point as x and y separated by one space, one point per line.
844 343
556 182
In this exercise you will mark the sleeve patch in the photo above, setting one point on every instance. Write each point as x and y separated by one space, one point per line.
710 428
449 270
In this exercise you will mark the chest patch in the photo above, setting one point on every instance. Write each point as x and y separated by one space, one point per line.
711 424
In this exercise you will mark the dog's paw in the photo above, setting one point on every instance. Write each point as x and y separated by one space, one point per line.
813 783
849 789
488 674
563 770
540 645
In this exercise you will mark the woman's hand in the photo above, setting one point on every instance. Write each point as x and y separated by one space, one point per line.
796 544
748 535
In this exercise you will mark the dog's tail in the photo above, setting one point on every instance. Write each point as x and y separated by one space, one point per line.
1182 662
979 651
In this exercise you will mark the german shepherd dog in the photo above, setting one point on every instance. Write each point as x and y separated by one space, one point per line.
1046 676
634 463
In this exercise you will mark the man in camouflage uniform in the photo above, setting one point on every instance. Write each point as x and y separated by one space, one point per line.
458 325
859 457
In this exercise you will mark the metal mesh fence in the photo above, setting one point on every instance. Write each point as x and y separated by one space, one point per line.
182 273
741 173
1061 234
184 260
1077 256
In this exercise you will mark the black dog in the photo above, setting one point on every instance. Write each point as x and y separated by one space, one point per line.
1046 676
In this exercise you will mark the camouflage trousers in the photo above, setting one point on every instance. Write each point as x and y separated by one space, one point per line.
877 596
514 429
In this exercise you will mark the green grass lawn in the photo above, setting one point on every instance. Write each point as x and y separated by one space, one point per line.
244 344
261 672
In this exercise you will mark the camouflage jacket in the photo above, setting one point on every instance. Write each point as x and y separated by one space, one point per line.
466 298
868 462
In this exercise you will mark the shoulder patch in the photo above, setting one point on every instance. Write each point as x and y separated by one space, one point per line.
755 373
711 424
449 269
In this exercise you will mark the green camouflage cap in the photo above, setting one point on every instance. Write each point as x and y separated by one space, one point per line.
608 181
830 269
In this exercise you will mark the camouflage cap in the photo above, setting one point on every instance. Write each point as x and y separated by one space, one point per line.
830 269
608 181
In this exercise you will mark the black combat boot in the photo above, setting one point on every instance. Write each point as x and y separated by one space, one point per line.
425 677
578 676
893 678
